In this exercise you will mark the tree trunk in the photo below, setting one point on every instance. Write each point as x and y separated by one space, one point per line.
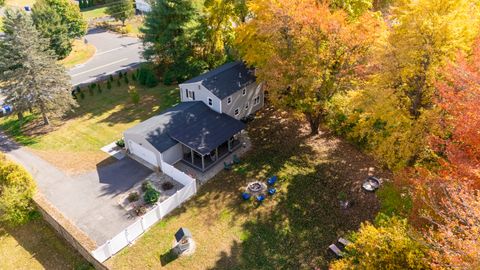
20 116
314 122
46 121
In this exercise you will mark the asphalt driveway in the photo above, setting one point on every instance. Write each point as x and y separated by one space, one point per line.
89 200
114 52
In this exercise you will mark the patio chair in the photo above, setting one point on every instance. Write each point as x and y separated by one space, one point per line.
272 191
227 166
260 198
343 241
335 250
246 196
236 160
271 181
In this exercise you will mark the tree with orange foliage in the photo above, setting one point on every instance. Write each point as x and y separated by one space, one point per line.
306 52
450 195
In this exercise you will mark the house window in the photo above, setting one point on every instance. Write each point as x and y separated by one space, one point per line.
244 91
229 100
237 111
256 101
247 105
190 94
210 102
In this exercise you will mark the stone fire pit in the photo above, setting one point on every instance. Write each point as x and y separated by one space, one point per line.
256 188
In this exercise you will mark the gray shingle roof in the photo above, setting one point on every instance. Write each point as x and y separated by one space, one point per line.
192 123
226 79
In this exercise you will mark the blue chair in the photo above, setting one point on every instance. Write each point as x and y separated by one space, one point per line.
260 198
246 196
271 181
272 191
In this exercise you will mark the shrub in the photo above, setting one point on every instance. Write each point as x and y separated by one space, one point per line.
151 81
109 85
134 77
140 210
110 77
167 186
120 143
119 83
82 95
99 88
77 89
90 91
16 191
151 196
120 75
134 95
144 73
125 78
93 85
133 197
146 185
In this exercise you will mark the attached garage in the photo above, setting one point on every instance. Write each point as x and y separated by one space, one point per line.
142 152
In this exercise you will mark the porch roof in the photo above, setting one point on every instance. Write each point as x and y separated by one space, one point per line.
208 132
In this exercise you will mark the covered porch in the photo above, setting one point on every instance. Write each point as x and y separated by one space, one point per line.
203 162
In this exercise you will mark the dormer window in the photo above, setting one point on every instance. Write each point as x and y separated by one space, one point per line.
190 94
229 100
244 91
247 105
210 102
237 111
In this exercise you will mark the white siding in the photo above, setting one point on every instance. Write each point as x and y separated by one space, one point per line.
240 101
201 94
173 154
142 152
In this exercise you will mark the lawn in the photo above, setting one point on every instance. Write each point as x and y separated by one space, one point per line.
73 143
291 230
80 54
94 12
36 246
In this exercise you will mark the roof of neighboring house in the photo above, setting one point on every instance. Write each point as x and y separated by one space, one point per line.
226 79
193 124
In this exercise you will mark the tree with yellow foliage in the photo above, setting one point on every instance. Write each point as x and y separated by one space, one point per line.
395 112
305 53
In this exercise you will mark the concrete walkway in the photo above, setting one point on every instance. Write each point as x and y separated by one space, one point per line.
88 200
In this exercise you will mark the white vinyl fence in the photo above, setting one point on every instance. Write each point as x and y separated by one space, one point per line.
132 232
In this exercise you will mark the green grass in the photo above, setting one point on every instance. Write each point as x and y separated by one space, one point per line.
36 246
291 230
74 142
394 201
94 12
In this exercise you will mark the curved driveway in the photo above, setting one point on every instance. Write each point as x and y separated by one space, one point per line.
114 52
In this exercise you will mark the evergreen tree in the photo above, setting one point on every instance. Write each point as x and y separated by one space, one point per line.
120 10
30 76
168 32
2 3
70 15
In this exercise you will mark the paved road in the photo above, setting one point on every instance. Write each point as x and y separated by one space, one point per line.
114 52
89 200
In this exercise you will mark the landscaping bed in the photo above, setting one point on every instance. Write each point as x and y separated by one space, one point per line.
290 230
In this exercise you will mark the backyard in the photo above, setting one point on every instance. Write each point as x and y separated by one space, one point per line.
290 230
73 143
36 246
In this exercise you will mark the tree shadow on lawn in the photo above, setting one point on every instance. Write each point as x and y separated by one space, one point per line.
44 245
304 217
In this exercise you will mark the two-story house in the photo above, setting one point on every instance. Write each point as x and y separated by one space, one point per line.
202 129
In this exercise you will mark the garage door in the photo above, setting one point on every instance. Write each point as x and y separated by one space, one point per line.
143 153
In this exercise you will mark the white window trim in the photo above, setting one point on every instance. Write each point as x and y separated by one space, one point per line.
256 100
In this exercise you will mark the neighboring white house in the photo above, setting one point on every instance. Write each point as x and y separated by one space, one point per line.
143 6
203 128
